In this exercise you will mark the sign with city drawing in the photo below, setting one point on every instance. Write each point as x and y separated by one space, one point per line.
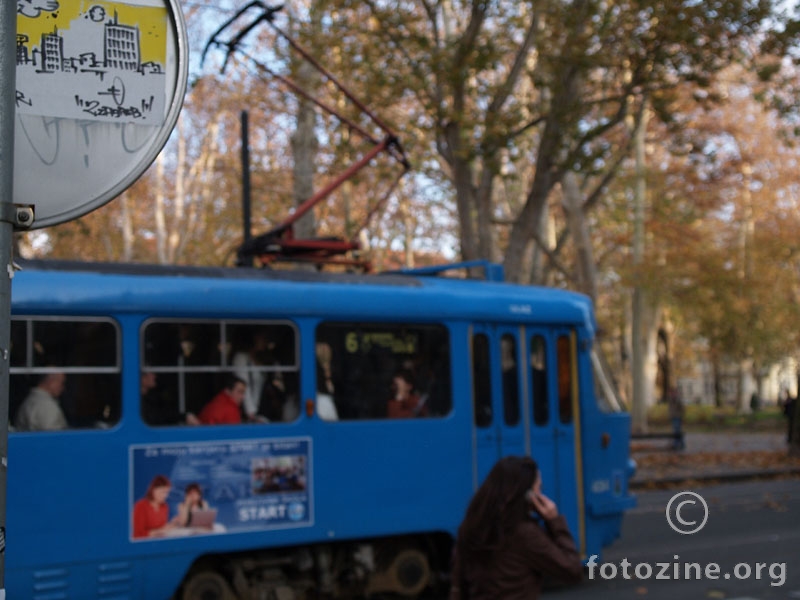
99 88
92 60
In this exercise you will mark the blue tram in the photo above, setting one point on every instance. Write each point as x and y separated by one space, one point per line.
332 484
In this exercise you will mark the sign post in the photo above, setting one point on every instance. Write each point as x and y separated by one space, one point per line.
89 95
8 28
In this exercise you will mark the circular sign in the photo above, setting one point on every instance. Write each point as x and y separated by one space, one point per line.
99 88
686 527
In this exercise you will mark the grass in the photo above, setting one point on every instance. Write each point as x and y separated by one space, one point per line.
712 418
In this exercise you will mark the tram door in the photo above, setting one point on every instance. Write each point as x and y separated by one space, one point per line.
498 384
553 388
525 401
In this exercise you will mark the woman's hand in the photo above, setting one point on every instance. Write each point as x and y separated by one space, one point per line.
182 517
544 506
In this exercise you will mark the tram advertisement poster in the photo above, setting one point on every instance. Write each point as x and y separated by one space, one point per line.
246 485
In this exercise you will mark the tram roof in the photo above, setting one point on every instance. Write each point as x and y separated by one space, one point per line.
88 288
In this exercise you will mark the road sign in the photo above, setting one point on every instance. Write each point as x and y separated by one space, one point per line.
99 86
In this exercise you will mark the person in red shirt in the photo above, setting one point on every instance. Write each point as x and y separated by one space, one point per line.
150 514
405 403
225 407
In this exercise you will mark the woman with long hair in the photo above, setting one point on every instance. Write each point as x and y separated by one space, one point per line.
151 513
192 501
503 552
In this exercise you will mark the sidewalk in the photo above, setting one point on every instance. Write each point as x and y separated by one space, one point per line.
721 456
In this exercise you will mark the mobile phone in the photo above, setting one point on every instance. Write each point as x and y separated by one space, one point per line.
530 496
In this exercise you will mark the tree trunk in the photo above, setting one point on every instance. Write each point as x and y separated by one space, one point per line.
794 447
465 193
178 224
645 343
743 389
160 216
528 225
485 225
625 353
639 329
651 322
304 150
573 203
717 369
794 425
408 233
200 175
127 228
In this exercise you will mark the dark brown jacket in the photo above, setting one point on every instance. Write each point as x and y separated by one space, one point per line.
516 570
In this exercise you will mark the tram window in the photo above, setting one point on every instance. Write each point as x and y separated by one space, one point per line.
185 364
19 345
265 357
380 371
565 358
269 347
541 407
508 360
481 380
68 367
183 344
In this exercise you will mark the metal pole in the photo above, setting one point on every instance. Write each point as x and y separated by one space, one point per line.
8 77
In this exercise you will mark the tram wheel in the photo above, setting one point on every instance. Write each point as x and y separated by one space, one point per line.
207 585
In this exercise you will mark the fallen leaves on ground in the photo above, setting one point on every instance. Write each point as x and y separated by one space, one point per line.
703 461
669 469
